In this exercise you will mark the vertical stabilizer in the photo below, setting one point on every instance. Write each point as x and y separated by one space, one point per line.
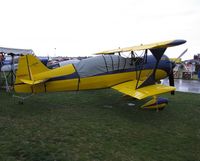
28 66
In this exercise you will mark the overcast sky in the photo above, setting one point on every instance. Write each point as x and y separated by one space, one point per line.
82 27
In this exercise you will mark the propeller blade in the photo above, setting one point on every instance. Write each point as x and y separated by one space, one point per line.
181 55
171 81
171 75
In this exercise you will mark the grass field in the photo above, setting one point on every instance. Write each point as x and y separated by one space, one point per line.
98 126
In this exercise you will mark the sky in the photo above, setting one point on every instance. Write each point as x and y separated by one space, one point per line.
83 27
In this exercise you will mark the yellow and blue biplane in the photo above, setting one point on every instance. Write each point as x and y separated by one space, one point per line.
135 76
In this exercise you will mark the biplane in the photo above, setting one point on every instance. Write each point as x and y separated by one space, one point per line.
135 76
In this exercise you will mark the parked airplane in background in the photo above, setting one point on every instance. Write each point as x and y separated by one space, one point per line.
62 63
135 76
11 65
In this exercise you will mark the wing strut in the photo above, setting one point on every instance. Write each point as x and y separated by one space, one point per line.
157 53
140 70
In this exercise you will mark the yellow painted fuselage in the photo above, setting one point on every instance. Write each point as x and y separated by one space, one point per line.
87 83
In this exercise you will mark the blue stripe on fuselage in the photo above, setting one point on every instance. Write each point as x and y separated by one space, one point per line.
64 77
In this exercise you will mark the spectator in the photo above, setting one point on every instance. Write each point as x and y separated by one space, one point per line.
199 74
1 56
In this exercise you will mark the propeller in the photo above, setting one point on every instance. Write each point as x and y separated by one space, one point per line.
171 81
180 55
171 74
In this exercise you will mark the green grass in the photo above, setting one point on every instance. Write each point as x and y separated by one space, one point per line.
98 126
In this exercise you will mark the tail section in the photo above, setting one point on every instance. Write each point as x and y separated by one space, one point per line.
32 75
28 66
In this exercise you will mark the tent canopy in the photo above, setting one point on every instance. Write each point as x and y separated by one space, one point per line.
16 51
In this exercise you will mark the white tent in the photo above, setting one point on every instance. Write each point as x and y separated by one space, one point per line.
16 51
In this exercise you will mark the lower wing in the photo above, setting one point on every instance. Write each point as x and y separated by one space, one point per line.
128 88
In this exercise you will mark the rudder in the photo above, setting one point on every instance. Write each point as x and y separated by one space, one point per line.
28 66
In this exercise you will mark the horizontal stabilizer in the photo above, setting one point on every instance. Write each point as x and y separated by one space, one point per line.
128 88
31 82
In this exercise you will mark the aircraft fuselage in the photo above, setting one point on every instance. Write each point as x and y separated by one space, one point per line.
101 72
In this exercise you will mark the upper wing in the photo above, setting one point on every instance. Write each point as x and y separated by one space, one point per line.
157 50
140 93
164 44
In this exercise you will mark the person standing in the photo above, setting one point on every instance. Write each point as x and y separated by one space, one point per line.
199 75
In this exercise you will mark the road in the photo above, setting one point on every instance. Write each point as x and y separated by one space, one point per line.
192 86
